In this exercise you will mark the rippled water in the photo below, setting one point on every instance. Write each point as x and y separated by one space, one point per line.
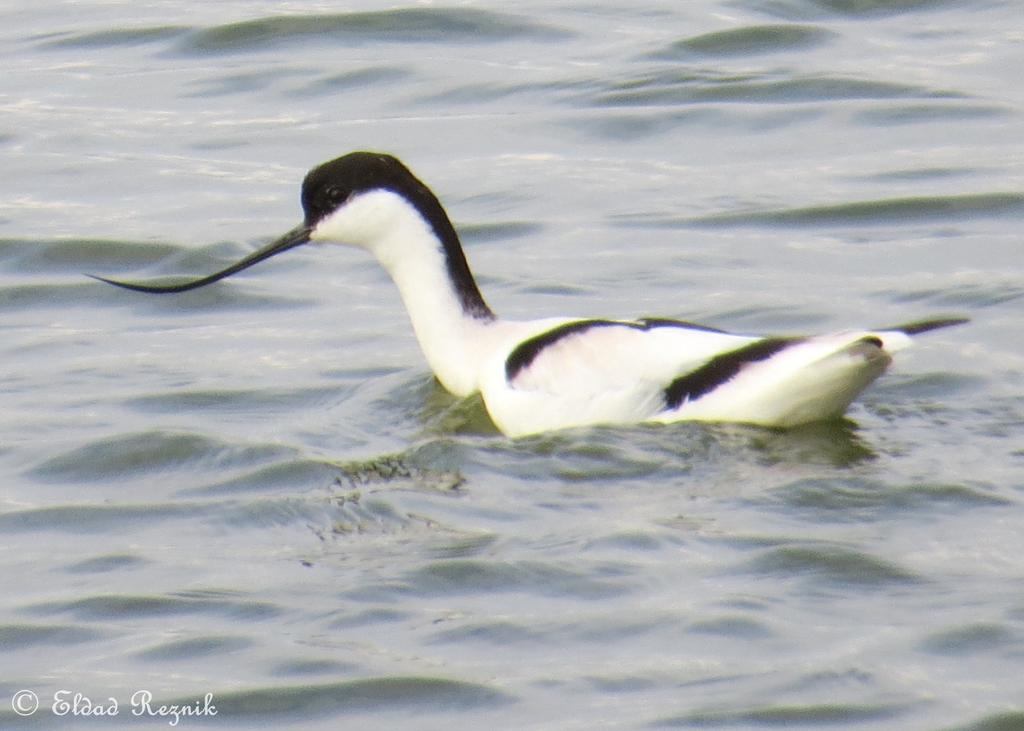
257 491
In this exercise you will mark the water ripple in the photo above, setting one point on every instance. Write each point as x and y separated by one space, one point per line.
373 77
306 667
404 25
829 565
460 576
18 636
877 7
1002 721
780 716
852 499
288 475
136 454
195 647
939 112
356 696
888 211
807 9
983 294
102 564
263 401
971 639
29 256
748 40
692 87
117 37
152 606
493 632
91 518
738 627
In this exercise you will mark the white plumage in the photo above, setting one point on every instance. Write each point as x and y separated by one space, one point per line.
556 373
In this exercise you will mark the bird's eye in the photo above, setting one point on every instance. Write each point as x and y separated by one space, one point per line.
336 195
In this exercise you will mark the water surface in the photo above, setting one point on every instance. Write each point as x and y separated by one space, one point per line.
257 490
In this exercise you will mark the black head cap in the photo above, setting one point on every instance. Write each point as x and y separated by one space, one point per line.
328 186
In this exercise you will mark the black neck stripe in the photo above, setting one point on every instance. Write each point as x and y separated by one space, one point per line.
459 273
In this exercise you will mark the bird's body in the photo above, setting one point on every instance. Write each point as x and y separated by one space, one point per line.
555 373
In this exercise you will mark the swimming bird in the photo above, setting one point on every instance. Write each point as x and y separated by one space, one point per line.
562 372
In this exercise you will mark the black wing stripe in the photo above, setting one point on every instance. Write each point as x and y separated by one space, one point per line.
527 351
721 369
648 323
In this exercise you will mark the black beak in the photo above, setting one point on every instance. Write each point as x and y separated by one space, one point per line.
297 236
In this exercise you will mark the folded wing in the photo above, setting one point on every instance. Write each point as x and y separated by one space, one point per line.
612 371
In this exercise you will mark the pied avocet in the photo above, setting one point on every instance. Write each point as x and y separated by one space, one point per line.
561 372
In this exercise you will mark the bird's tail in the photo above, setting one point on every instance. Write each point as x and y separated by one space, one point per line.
898 337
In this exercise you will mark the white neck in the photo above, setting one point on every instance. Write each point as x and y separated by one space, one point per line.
454 341
451 340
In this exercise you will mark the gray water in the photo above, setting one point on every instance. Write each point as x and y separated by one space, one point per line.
257 491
